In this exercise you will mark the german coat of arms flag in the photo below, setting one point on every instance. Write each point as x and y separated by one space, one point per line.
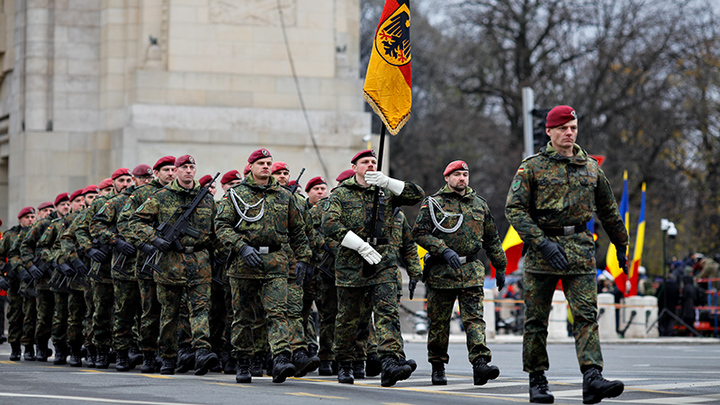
388 82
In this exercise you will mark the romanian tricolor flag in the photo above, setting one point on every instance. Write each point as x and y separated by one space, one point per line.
611 262
388 82
639 244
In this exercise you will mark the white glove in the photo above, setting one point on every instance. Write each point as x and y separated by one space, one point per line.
383 181
354 242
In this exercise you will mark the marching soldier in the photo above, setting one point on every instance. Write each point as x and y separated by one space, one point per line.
230 180
367 263
256 220
453 225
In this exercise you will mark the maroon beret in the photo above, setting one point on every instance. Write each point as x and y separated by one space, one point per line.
314 182
90 189
46 204
259 154
123 171
247 169
277 166
164 161
560 115
367 152
230 176
26 211
346 174
205 180
455 165
61 197
183 160
105 183
142 170
292 183
76 194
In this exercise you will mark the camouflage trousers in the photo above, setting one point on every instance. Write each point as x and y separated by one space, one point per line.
184 328
104 302
440 302
327 305
29 320
272 294
367 342
127 313
88 319
171 301
295 316
150 315
67 323
218 318
15 313
581 294
45 308
308 320
352 322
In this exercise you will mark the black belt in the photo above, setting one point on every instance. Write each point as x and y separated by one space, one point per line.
377 241
264 250
469 258
563 230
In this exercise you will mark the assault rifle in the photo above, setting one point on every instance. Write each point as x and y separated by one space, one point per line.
295 186
327 263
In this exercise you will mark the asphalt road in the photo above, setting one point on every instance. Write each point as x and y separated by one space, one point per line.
670 373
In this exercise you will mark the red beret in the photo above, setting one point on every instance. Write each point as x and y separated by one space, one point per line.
205 180
164 161
292 183
183 160
0 222
46 204
105 183
367 152
230 176
25 211
76 194
560 115
90 189
314 182
123 171
346 174
247 169
277 166
456 165
61 197
142 170
259 154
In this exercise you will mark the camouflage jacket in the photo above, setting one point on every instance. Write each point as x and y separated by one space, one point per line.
477 231
402 240
349 208
44 248
281 224
6 243
28 247
166 206
139 196
76 239
551 190
64 249
103 229
14 253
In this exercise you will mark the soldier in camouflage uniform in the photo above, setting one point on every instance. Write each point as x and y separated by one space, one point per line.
183 265
367 265
552 197
257 221
164 172
453 225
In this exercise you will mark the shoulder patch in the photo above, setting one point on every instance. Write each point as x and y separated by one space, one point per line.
220 209
326 206
516 184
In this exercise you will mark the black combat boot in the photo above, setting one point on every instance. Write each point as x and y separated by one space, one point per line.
358 369
243 375
136 357
303 363
61 353
29 353
102 362
3 339
539 390
345 373
595 387
229 364
91 358
312 350
186 359
410 362
218 368
482 371
373 366
282 368
15 352
122 363
325 368
205 360
75 354
438 374
42 350
149 365
257 364
168 366
393 371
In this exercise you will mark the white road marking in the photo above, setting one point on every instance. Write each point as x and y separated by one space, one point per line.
89 399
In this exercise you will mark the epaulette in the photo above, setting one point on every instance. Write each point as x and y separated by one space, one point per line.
531 156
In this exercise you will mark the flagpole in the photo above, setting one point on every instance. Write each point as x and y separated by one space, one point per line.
376 197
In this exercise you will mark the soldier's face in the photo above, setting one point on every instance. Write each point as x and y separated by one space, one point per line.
28 220
139 181
317 193
458 180
364 165
282 176
564 136
228 186
77 204
89 198
260 169
166 174
212 189
105 191
63 208
186 174
43 213
121 183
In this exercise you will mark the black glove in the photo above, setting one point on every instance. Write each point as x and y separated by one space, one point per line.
96 255
411 287
125 248
24 276
250 255
4 284
622 257
35 272
554 254
78 265
500 281
147 249
66 270
452 258
162 244
303 272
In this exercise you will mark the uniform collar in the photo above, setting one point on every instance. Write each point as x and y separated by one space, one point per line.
250 181
176 187
580 158
469 192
